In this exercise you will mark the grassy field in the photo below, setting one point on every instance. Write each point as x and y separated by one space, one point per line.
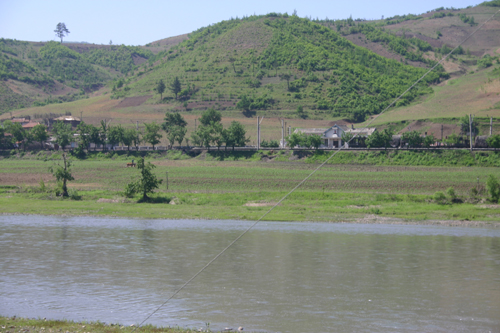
243 186
14 324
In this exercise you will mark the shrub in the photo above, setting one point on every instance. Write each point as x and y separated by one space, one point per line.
493 188
451 193
439 197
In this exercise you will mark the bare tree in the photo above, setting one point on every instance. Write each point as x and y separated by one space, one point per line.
61 30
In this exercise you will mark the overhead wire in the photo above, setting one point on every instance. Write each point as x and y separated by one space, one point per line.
305 179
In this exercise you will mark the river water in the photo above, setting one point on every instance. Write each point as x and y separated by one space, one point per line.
280 277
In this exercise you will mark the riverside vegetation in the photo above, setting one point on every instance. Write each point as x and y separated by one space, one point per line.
416 186
15 324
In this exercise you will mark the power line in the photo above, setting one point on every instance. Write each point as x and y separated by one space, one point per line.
305 179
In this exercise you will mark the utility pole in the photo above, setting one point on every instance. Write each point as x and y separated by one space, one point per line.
470 130
283 133
167 180
491 126
137 125
81 116
258 133
442 128
195 124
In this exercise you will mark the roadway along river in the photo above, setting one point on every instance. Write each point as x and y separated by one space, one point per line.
280 277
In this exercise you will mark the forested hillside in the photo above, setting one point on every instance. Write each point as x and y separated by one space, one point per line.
274 64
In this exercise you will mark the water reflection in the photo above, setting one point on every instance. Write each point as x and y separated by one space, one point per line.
283 277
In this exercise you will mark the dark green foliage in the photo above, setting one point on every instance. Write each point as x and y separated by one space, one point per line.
63 174
152 134
301 113
493 141
39 133
358 79
380 139
84 134
485 62
175 126
119 58
493 188
303 141
63 133
146 184
413 138
160 88
493 3
115 135
65 64
175 87
210 117
270 144
236 135
61 30
248 103
467 19
130 136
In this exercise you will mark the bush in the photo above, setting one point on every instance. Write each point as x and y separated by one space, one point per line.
493 188
439 197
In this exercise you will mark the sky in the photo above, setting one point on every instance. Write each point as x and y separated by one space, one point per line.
140 22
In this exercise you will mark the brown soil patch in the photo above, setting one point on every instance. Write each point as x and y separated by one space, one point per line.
138 60
110 200
28 179
489 206
432 128
378 48
260 204
133 101
170 41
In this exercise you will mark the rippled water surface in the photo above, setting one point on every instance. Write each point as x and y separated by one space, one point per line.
280 277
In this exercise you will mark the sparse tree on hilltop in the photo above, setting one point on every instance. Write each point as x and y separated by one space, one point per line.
61 30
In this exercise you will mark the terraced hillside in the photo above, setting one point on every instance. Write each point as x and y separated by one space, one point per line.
269 65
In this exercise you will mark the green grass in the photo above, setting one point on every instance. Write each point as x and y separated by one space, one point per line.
241 187
14 324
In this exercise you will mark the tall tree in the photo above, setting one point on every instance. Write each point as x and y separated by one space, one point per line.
287 78
130 135
16 130
236 135
84 134
152 134
173 119
210 116
115 135
63 173
61 30
160 88
175 87
40 133
146 184
64 134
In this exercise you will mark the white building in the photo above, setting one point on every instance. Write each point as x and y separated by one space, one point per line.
332 137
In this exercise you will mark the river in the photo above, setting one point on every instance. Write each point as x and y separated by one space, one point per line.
280 277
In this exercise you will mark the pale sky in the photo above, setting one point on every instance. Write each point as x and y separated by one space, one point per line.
140 22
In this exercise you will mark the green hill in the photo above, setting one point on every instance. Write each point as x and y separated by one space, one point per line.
270 65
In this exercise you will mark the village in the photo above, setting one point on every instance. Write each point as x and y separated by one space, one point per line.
29 134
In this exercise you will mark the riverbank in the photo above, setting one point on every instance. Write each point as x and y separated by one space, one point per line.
14 324
240 187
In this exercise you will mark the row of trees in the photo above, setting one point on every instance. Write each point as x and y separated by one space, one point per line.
21 136
212 133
